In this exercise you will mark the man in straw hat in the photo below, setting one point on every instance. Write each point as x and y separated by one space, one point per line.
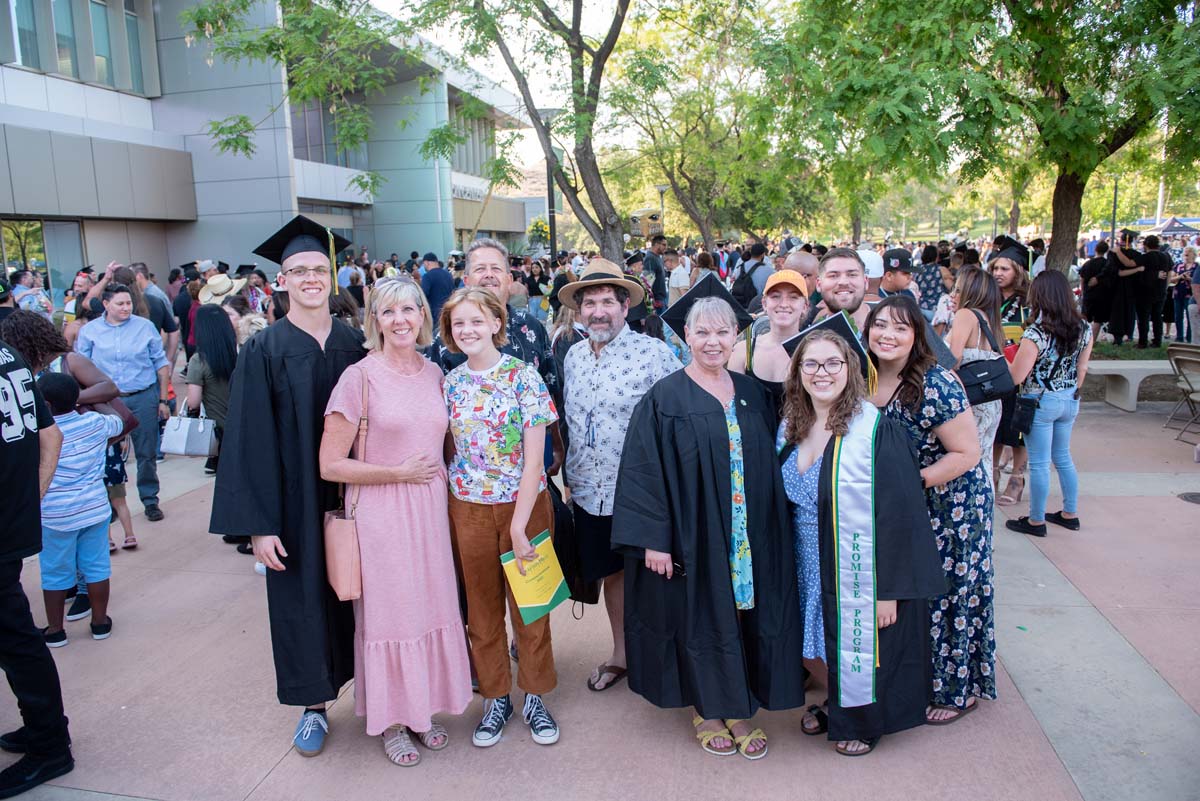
604 378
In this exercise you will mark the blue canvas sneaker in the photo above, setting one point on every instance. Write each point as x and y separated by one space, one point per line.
310 733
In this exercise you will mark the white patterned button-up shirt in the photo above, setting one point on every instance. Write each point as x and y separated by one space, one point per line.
600 393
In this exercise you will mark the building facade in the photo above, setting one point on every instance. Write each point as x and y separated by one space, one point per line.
105 153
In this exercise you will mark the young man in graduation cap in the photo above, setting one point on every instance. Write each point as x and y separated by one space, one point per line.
269 485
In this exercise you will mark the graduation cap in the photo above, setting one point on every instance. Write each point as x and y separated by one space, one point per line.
843 326
1014 251
301 235
246 269
636 258
709 286
223 268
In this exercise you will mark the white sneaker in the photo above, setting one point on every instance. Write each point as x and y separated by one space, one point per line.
260 568
541 724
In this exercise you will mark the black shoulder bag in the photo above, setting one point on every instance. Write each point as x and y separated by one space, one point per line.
1022 419
986 379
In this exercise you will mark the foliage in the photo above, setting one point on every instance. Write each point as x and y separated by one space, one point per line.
533 36
336 53
700 118
538 231
918 92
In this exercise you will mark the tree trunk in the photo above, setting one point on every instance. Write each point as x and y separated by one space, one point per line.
1068 211
856 226
1014 216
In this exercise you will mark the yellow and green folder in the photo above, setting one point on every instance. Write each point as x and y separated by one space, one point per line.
542 587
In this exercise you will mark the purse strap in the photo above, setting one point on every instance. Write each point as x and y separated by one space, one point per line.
360 442
987 331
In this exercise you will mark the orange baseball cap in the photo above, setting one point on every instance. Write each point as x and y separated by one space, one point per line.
790 277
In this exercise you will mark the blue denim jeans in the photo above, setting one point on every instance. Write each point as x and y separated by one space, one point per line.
144 406
1183 328
1050 441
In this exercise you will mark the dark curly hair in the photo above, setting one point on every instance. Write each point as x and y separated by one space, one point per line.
35 337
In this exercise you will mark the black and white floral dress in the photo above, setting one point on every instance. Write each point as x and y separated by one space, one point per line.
961 622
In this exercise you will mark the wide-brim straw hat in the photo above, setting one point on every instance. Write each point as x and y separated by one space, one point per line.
219 287
601 272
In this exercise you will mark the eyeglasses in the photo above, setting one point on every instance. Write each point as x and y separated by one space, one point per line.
812 366
306 272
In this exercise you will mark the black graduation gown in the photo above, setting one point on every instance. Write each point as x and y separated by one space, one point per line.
683 637
908 569
268 482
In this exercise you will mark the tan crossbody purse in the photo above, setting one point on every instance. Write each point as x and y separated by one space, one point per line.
343 563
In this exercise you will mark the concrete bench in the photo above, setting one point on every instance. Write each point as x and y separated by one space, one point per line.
1123 377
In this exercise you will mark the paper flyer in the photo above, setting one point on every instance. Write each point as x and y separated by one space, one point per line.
542 587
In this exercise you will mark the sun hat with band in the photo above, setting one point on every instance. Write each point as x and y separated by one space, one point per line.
219 287
600 272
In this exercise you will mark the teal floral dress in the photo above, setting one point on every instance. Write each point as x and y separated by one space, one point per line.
740 564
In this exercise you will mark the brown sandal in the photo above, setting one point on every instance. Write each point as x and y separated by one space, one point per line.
958 713
618 675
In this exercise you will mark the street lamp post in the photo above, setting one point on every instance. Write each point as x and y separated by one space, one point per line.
662 204
939 225
548 115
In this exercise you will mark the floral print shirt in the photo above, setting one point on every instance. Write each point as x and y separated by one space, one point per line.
489 412
600 392
1044 376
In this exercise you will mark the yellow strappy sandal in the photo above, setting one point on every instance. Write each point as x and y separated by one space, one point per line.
744 741
706 737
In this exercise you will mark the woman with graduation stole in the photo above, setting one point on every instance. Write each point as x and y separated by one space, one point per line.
866 561
712 619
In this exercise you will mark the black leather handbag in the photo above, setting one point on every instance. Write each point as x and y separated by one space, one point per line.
986 379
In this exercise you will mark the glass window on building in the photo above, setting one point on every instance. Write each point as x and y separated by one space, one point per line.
135 47
64 34
101 42
26 26
54 248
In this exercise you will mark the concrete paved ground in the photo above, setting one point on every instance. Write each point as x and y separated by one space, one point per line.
1099 639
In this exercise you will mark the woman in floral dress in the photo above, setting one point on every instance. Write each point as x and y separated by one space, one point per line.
932 406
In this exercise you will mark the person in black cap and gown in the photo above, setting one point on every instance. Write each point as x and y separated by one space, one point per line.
712 618
853 480
268 482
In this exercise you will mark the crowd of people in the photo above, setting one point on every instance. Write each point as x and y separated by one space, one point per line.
699 429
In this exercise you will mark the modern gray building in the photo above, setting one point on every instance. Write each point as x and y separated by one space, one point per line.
104 151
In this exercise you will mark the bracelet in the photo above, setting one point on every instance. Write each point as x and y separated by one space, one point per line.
164 400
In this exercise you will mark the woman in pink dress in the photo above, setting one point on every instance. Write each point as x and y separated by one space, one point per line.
410 654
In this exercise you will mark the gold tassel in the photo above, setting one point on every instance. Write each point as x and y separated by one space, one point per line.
333 266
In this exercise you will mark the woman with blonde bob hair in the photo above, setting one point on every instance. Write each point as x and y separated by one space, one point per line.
410 656
387 294
865 554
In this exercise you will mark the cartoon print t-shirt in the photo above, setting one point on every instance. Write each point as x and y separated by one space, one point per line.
489 412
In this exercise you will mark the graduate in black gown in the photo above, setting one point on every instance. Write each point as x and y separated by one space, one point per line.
690 638
269 485
870 505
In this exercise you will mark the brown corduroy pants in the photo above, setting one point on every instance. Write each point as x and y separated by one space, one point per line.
481 534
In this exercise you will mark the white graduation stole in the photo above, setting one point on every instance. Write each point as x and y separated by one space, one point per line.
853 483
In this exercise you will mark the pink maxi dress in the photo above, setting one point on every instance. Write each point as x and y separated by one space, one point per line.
410 648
